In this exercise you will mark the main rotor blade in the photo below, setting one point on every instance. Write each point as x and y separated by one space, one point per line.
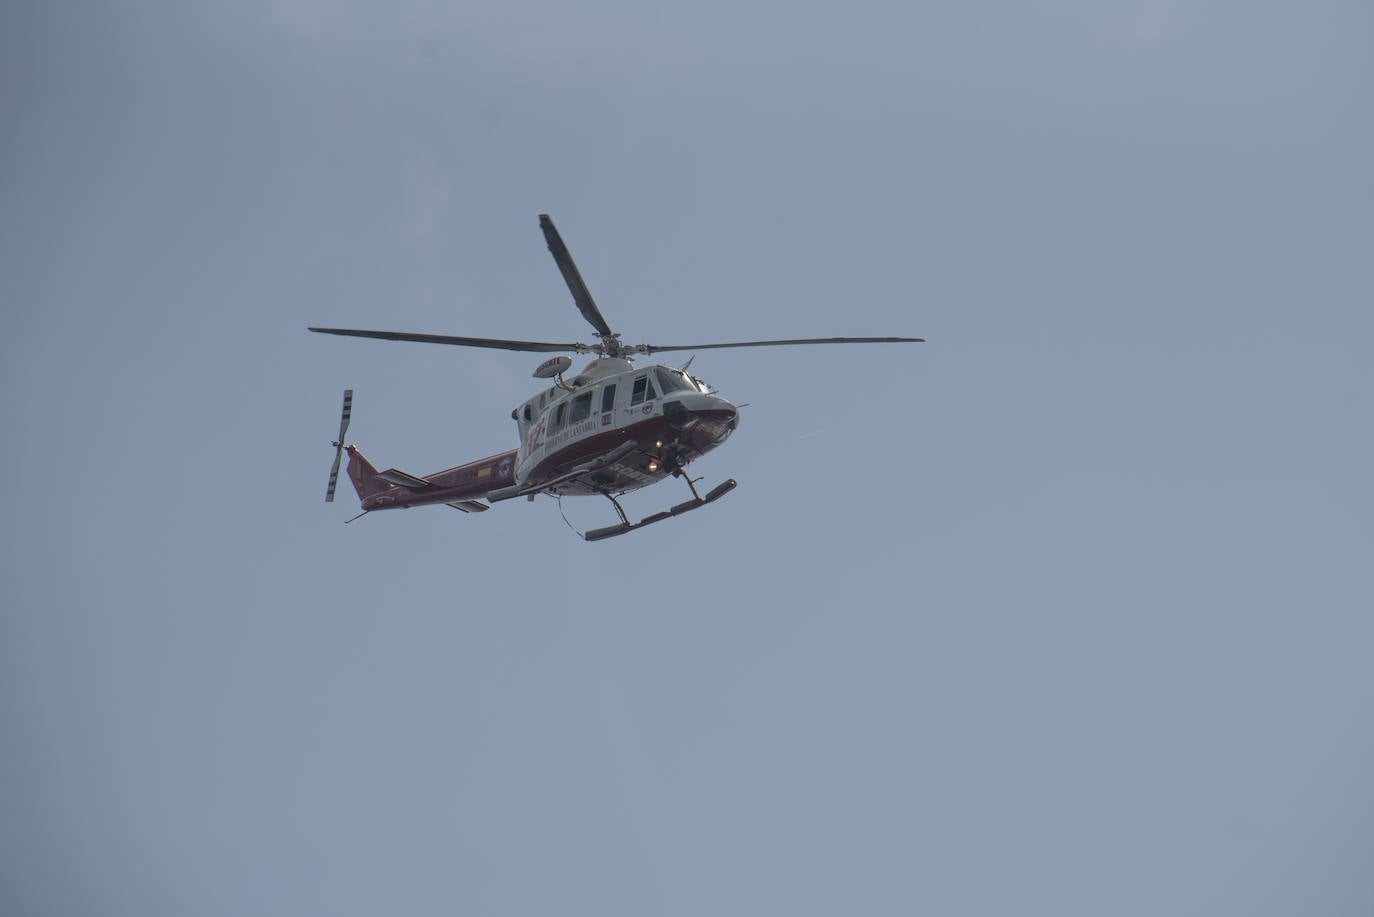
493 343
581 295
654 348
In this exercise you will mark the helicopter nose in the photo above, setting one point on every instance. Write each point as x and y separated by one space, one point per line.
729 410
706 414
692 405
721 408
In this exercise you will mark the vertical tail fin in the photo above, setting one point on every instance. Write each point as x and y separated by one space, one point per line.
363 475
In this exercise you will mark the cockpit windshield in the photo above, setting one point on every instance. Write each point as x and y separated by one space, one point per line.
672 380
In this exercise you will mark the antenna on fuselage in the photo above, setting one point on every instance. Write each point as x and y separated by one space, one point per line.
554 366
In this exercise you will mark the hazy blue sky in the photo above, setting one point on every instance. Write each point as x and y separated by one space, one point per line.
1065 612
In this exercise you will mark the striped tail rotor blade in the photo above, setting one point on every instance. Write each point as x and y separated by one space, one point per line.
347 413
334 475
344 418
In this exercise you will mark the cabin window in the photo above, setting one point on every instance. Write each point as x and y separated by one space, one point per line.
581 408
608 398
670 380
560 414
643 391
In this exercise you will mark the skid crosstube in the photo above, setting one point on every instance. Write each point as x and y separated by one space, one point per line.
625 525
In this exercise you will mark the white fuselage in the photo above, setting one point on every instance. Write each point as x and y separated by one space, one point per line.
612 402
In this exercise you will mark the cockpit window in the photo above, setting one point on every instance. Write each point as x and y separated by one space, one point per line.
560 414
581 407
670 380
643 391
608 398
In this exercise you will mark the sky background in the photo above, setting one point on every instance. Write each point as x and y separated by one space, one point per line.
1065 612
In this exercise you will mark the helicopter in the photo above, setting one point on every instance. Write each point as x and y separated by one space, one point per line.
612 429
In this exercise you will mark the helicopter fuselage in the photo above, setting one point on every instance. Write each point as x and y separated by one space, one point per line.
672 419
615 428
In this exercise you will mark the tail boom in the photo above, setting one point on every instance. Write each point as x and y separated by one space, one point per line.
394 489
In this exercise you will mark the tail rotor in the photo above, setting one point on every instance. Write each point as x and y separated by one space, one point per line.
339 444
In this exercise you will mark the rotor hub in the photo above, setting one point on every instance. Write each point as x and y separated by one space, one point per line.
611 347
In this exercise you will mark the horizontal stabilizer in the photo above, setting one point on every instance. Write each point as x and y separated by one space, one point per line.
470 506
402 479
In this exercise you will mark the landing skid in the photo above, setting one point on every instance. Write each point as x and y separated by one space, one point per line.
625 525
